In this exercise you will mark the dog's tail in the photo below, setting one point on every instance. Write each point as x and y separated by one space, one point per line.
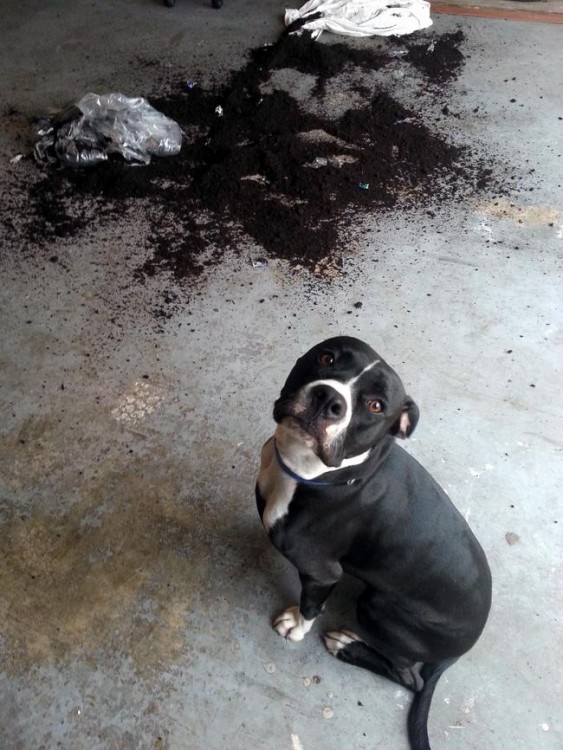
420 707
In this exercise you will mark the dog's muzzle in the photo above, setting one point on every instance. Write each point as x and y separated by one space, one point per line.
326 403
320 411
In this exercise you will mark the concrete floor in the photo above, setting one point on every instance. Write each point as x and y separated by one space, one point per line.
136 583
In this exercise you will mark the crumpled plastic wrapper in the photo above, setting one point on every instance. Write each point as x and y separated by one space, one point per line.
100 125
361 17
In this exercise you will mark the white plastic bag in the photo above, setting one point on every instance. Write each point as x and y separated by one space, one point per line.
363 17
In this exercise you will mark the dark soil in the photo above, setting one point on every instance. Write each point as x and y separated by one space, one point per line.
254 172
438 59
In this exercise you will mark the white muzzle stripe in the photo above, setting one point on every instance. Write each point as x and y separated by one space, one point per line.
346 390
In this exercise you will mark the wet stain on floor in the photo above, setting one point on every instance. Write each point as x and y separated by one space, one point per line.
116 575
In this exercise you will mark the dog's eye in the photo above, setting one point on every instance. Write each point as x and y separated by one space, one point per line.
375 406
326 359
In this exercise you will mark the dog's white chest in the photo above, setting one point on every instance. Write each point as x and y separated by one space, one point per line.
276 487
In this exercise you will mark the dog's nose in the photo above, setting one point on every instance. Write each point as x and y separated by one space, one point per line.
328 401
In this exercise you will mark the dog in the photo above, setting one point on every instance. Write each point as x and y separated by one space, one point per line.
337 494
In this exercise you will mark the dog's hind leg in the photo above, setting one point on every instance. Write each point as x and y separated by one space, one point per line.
350 648
419 677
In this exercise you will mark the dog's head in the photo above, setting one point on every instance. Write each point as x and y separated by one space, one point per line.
341 399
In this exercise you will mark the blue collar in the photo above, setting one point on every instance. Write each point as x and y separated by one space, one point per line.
301 480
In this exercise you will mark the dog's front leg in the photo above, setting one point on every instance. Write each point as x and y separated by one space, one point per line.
295 622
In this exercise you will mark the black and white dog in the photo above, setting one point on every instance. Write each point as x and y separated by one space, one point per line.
338 495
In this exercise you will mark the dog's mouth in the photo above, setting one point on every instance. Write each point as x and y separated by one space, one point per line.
315 439
314 419
300 431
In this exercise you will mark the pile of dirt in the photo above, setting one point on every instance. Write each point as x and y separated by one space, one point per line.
254 164
440 60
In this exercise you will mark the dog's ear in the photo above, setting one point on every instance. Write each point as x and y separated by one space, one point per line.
405 424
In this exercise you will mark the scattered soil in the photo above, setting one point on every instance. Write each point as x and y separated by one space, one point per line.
440 59
291 182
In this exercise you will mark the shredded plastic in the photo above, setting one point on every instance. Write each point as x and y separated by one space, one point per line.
100 125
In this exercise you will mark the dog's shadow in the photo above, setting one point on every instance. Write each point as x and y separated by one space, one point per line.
243 565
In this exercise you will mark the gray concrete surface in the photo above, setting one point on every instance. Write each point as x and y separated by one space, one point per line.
136 583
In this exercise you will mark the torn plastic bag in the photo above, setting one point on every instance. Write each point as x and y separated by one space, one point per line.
100 125
361 17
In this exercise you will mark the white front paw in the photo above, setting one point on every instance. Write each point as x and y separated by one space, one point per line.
292 625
